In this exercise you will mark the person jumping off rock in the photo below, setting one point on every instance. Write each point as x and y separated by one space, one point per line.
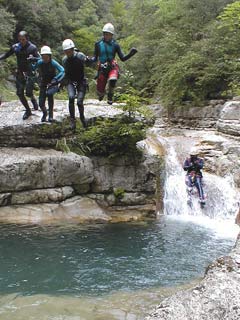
108 69
24 76
51 74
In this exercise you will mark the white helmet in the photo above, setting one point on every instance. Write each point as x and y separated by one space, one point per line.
68 44
46 50
194 152
108 28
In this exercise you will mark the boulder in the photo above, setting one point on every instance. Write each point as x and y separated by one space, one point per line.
42 195
77 209
29 168
125 173
229 119
216 297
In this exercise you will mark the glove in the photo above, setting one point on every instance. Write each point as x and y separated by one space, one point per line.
54 82
133 51
31 58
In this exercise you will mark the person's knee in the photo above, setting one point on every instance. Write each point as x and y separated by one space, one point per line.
29 93
80 101
20 94
112 83
71 96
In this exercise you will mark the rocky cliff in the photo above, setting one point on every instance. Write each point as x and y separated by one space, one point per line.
38 183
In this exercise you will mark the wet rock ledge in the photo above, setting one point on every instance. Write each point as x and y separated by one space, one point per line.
216 297
40 184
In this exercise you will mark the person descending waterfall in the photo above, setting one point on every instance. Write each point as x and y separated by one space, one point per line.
24 75
108 69
193 165
75 80
51 74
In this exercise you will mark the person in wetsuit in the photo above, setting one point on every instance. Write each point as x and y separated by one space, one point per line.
193 165
51 73
75 80
108 69
24 49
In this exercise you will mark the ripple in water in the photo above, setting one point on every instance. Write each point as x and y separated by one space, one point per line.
95 260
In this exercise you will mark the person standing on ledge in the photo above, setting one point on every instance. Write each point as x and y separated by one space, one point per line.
108 69
25 76
51 74
75 80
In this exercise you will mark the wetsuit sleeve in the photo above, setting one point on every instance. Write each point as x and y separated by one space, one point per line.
199 164
121 55
60 69
35 53
36 65
95 54
81 56
66 71
187 165
7 54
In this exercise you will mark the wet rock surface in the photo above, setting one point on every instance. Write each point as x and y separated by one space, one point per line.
16 132
216 297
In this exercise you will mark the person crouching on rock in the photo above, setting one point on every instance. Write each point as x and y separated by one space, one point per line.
51 74
75 80
108 69
24 75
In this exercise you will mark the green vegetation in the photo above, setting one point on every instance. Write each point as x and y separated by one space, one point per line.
118 193
114 137
188 51
62 145
109 138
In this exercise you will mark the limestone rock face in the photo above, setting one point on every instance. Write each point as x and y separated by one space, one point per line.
126 174
27 169
229 119
42 195
189 117
222 156
217 297
77 209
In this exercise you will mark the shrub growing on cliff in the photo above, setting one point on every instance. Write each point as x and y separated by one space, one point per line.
110 138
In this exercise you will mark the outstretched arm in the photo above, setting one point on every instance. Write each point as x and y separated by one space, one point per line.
7 54
95 55
121 55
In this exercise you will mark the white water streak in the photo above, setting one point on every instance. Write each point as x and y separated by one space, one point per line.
221 203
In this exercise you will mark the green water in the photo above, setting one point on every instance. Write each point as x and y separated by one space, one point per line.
82 264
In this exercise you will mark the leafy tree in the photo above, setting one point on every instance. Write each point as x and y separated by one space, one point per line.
47 22
7 24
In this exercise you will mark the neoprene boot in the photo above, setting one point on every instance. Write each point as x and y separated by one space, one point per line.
34 103
50 115
81 113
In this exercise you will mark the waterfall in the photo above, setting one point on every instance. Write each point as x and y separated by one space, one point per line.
221 197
